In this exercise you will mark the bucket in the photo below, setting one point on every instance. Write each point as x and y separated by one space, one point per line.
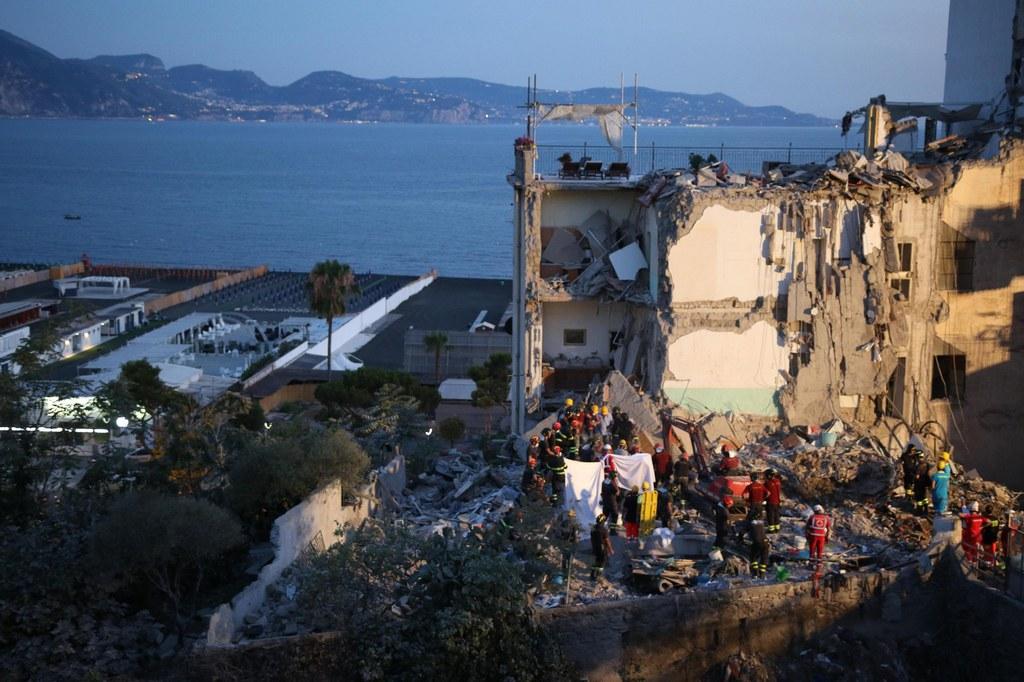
828 439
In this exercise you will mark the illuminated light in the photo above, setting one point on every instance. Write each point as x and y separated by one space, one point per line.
121 422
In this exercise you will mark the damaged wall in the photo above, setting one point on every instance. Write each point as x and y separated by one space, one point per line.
725 371
598 321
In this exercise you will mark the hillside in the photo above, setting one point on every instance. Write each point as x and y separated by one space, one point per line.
36 83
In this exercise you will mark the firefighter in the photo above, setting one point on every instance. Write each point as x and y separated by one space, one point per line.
773 501
682 470
922 484
990 538
972 523
529 473
755 494
533 449
631 513
818 529
721 524
758 548
570 535
940 488
666 509
556 472
610 496
662 461
909 461
601 546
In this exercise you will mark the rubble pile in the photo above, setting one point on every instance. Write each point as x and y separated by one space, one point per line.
461 491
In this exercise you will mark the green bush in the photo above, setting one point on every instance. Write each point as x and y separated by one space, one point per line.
271 476
169 542
358 389
452 429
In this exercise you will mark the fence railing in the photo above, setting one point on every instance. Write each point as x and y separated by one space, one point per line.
652 157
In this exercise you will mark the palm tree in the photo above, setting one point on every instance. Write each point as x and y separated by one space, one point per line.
437 342
330 285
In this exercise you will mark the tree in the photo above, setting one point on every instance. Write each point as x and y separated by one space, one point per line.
493 379
330 285
169 542
271 476
452 429
464 609
438 343
359 389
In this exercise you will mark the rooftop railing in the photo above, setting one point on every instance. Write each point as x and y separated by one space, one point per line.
653 157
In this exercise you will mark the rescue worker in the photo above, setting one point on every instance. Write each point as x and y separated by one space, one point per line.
533 449
606 422
529 473
818 529
721 524
940 488
758 548
601 546
621 450
648 509
666 510
972 523
662 461
565 412
729 461
631 513
561 437
990 538
755 494
922 484
572 441
773 501
556 471
909 461
547 443
610 496
570 535
682 470
606 458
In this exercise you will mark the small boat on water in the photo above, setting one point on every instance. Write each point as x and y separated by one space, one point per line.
72 216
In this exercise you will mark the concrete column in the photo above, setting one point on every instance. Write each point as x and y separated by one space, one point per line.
525 160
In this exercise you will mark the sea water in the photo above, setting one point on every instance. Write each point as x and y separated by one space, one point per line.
394 198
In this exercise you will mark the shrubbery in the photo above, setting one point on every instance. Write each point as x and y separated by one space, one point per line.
273 475
358 389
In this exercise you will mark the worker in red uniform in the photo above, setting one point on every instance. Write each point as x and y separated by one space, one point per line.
773 503
972 523
755 494
662 465
819 526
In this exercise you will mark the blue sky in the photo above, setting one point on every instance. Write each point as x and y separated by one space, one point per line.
819 56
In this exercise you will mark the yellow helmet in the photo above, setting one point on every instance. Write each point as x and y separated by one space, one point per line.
568 402
942 465
945 457
593 409
647 486
604 410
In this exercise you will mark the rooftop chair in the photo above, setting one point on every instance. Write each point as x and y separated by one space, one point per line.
570 169
592 169
617 169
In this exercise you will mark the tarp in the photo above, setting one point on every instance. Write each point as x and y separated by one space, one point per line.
634 470
583 482
610 117
583 490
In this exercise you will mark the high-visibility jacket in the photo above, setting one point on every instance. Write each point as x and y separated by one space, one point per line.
818 526
556 464
755 493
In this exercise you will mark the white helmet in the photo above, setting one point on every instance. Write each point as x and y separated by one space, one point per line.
975 506
818 509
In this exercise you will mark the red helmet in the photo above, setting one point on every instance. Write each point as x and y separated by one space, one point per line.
556 425
557 450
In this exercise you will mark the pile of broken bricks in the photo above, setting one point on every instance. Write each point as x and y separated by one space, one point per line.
460 492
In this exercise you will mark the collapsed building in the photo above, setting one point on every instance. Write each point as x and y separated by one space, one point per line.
879 288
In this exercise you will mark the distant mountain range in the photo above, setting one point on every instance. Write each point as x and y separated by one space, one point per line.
35 83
